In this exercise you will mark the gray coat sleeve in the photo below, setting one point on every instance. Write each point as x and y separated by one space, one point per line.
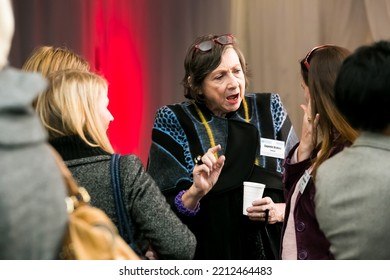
153 217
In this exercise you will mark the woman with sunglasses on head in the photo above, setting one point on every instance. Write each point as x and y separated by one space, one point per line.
325 132
228 132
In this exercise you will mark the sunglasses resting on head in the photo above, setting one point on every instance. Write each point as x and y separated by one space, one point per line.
205 46
309 54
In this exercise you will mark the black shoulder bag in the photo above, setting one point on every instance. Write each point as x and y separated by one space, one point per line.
125 226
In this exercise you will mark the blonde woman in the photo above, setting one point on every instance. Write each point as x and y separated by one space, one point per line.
48 59
74 112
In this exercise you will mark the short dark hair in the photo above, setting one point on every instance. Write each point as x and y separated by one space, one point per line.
197 65
362 89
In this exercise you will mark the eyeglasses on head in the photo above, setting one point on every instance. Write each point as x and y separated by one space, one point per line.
205 46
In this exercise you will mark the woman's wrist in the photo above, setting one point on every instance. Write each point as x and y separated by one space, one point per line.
183 208
303 153
281 207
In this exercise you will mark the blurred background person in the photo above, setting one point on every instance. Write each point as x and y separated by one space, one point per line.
47 59
226 130
32 191
353 187
74 111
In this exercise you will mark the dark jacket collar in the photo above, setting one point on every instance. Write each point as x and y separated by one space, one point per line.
73 147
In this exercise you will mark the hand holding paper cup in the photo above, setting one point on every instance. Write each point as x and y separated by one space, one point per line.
252 191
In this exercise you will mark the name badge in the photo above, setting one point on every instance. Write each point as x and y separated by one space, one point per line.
272 148
303 181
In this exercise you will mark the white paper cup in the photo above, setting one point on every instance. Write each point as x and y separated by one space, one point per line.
252 191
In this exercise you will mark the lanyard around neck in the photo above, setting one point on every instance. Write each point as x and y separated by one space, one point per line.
207 126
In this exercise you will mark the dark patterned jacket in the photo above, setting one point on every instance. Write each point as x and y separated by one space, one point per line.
179 135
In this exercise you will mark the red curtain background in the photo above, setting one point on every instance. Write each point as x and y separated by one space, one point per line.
110 35
117 54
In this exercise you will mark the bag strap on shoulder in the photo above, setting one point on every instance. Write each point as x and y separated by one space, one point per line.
124 222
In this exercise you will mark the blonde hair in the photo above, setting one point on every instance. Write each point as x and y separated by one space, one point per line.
7 28
47 59
70 107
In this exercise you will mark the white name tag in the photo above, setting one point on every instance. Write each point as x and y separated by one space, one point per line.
272 148
302 183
